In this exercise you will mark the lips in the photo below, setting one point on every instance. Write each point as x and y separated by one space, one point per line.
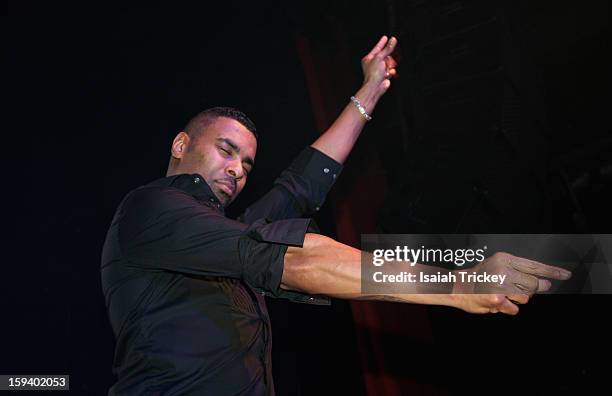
227 186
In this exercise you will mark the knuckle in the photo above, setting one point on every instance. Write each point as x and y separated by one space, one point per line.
496 300
500 256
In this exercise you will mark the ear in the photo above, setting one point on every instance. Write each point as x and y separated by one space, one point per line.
179 145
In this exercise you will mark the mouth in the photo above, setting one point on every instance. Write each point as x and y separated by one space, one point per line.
226 188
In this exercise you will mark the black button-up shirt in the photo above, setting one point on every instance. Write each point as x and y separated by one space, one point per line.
184 285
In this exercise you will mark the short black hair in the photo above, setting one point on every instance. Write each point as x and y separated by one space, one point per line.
198 123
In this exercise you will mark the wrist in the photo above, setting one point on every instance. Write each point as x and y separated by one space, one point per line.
459 286
368 97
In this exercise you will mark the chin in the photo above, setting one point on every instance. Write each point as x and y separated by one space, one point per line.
223 198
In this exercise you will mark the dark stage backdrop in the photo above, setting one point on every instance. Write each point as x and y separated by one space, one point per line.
498 123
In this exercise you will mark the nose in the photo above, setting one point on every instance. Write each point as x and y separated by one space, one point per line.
234 169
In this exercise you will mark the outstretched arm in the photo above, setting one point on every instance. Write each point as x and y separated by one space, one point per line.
325 266
378 67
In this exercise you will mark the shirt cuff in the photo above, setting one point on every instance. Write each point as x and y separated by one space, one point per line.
317 166
262 252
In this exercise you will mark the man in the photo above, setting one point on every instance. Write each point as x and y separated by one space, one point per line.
185 286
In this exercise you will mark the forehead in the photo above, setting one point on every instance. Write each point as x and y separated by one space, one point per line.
228 128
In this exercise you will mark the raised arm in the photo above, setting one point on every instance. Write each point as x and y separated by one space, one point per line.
325 266
378 67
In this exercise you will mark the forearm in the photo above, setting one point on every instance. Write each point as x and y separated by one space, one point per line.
325 266
378 67
338 141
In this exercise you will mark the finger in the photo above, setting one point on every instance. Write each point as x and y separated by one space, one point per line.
508 307
538 269
524 283
389 48
543 285
519 298
378 47
389 74
390 62
529 284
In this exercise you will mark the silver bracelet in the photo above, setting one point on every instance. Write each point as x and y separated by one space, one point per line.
360 108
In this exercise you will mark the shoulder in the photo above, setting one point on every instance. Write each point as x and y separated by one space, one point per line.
151 198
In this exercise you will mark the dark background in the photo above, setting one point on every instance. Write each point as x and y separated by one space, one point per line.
499 122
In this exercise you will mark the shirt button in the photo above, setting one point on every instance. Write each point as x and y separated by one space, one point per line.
326 170
196 180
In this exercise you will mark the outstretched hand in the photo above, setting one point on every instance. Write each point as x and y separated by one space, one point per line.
522 279
378 65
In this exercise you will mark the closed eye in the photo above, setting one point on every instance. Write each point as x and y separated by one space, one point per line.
225 151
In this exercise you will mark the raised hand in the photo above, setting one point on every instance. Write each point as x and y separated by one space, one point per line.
378 68
378 65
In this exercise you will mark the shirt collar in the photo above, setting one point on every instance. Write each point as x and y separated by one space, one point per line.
193 184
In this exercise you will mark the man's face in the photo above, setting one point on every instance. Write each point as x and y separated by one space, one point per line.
224 154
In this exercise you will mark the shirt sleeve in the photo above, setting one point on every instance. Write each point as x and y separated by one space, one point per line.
299 191
162 228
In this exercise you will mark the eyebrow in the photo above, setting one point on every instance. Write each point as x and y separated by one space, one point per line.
235 147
